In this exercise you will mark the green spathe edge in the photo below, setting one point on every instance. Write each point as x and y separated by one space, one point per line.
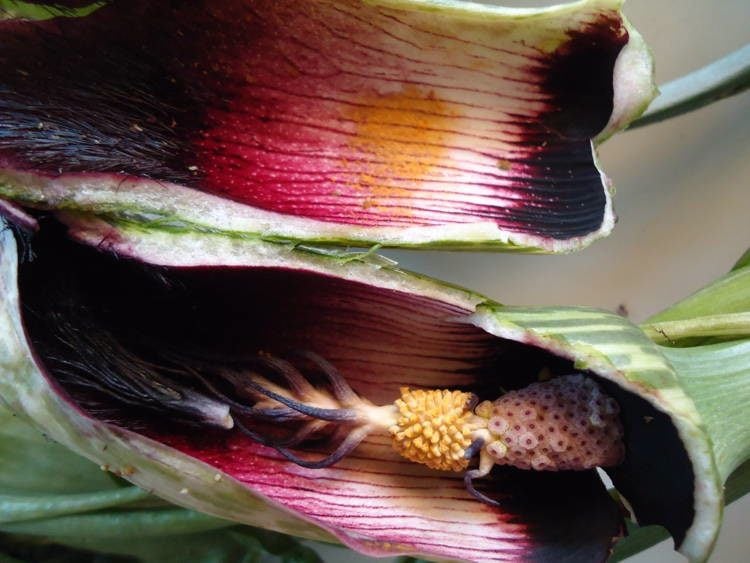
596 340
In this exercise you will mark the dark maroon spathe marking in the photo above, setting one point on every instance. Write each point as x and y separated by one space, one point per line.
579 78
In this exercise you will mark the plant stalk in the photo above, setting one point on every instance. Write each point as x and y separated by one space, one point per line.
721 79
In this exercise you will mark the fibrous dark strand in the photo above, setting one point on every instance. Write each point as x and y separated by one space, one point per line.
285 399
88 356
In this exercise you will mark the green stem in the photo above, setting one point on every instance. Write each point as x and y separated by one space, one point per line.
717 377
729 326
721 79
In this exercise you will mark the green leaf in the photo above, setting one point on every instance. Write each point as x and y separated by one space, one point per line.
22 549
284 546
638 539
164 535
730 294
16 9
743 262
718 312
33 464
19 508
8 559
208 547
136 524
104 515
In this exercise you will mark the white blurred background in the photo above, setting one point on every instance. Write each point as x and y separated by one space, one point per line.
683 201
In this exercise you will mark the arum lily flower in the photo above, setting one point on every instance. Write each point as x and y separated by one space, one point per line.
394 122
235 377
174 337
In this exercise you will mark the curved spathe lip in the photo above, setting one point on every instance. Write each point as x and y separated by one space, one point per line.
397 123
156 204
148 462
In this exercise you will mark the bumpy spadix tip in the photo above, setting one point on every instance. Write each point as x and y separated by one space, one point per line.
567 423
434 427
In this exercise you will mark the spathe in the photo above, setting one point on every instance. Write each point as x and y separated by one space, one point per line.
402 123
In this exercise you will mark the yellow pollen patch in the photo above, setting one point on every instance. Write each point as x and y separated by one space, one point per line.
434 427
402 137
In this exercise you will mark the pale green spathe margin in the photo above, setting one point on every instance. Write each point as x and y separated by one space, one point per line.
16 9
595 340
